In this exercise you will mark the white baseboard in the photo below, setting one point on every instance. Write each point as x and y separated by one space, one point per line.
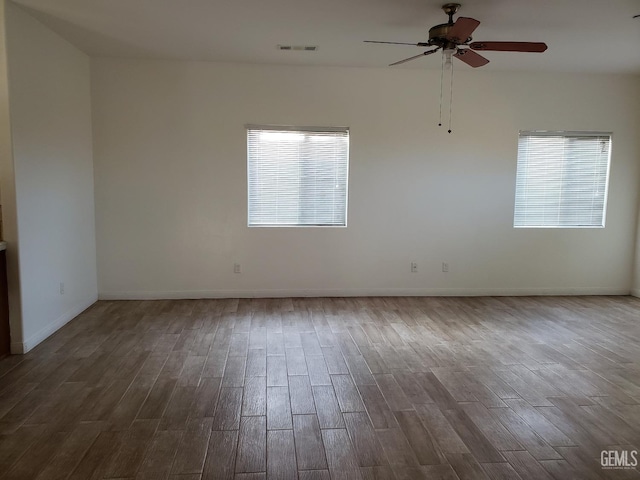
361 292
50 329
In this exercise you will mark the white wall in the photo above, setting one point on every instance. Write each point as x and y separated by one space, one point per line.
635 287
50 102
7 187
636 276
170 169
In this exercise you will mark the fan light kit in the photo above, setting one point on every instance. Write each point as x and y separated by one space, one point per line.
454 38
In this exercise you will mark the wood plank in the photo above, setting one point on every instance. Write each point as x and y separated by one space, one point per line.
214 366
384 472
587 465
98 457
419 438
317 368
256 364
441 430
525 435
341 458
541 425
252 445
296 363
412 389
36 456
310 453
301 395
314 475
367 448
154 405
473 438
234 372
132 449
206 398
100 403
347 394
254 400
425 472
278 409
275 343
466 466
25 408
335 362
177 412
281 455
561 470
62 406
328 409
247 476
193 447
228 410
500 471
310 343
376 406
359 370
492 429
221 455
276 371
14 396
393 394
160 455
437 391
71 451
526 466
396 447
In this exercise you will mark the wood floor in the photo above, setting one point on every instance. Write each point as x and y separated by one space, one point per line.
370 388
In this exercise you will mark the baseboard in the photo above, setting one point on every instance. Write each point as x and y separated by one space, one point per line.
635 292
362 292
48 330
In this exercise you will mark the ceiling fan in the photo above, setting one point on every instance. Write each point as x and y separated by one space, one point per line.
452 36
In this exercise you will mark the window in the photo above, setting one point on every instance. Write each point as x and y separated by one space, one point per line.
297 176
562 179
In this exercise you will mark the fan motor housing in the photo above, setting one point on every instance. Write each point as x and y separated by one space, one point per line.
438 35
439 31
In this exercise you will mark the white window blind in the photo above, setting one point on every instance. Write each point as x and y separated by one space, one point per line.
562 179
297 176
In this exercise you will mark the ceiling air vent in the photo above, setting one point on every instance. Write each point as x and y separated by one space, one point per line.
299 48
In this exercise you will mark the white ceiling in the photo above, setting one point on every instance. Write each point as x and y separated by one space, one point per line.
583 35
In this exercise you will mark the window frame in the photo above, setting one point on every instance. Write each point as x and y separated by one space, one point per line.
300 129
567 133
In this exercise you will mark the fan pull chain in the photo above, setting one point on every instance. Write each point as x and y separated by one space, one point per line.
451 98
441 82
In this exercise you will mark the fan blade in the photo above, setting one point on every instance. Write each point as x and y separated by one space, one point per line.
536 47
462 29
419 44
428 52
471 58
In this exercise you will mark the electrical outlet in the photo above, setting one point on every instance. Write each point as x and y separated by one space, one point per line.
445 267
414 267
236 268
61 288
